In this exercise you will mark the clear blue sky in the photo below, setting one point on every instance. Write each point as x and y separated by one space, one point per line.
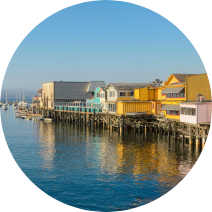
104 40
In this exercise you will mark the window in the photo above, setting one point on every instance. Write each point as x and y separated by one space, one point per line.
105 105
52 104
168 95
193 112
183 110
182 95
123 94
97 106
112 94
112 107
188 111
175 95
132 94
175 112
102 95
51 95
98 95
152 106
88 104
169 112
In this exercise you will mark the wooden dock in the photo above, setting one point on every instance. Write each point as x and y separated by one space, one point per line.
139 123
192 193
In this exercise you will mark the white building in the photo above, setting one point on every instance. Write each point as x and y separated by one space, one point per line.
195 112
121 91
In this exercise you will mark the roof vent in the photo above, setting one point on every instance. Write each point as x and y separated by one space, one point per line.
200 98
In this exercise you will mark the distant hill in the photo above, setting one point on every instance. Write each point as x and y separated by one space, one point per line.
11 94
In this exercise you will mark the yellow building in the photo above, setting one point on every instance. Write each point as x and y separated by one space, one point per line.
146 99
142 101
198 84
124 107
151 94
173 94
157 103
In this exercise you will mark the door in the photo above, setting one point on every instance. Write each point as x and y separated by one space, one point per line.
158 106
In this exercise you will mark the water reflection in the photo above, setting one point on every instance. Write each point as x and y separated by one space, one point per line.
94 169
46 134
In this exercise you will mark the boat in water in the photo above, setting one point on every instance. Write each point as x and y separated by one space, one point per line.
22 105
5 106
15 104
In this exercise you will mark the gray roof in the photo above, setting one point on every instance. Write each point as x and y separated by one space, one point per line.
94 84
173 90
71 90
170 107
130 86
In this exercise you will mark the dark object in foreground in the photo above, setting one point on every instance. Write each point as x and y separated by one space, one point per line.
6 158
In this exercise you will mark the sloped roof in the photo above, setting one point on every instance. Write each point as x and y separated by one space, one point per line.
173 90
130 86
171 107
182 77
94 84
102 88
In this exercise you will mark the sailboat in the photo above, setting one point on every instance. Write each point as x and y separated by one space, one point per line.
22 104
5 105
15 105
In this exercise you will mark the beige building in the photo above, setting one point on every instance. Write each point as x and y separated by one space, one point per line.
47 95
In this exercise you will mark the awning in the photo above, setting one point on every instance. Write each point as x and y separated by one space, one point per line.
171 107
173 90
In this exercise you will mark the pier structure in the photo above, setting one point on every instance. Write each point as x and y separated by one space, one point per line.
180 108
139 124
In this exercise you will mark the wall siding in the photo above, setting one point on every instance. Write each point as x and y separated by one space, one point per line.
128 107
198 84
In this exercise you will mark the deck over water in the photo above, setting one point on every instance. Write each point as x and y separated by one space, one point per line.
192 193
19 193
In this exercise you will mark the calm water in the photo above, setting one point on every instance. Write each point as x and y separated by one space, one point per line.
93 170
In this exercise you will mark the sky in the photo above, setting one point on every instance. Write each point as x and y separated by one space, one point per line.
102 40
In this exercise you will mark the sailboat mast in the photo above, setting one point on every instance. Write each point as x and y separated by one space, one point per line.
5 96
21 92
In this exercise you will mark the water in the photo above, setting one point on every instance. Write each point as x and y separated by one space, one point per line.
90 169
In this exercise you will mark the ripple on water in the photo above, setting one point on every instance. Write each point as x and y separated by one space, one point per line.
90 169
